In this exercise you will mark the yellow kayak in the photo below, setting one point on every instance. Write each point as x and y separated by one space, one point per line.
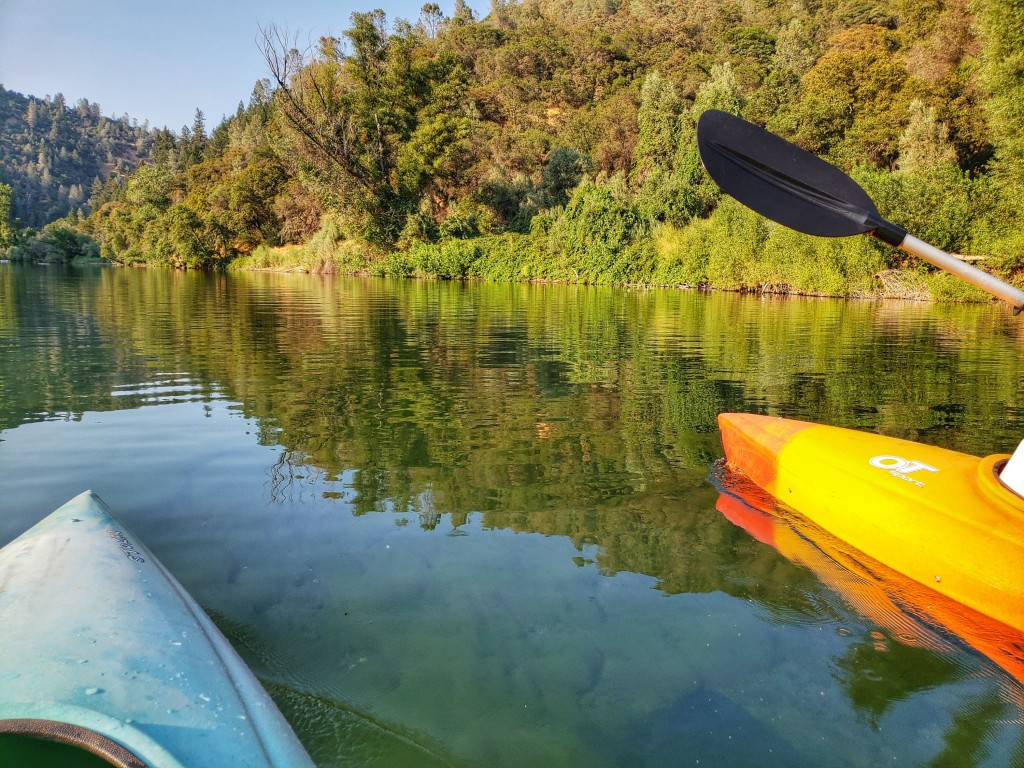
941 518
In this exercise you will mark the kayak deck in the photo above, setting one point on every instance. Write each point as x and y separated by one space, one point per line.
102 644
939 517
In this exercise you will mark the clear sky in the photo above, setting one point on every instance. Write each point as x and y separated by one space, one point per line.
160 60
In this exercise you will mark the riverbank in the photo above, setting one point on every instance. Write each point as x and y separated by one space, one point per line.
733 251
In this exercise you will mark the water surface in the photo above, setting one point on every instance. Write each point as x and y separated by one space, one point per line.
476 525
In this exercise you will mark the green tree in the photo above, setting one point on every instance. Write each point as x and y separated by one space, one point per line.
854 99
565 169
661 191
462 13
657 127
344 118
1002 24
431 19
924 143
596 238
193 141
182 240
674 187
7 231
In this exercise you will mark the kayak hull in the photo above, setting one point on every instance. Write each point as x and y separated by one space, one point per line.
104 649
938 517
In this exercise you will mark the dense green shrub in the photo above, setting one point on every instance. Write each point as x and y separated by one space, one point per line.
59 241
938 204
596 238
736 249
505 257
713 252
449 259
794 262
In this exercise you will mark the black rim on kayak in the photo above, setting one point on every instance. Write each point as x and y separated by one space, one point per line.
73 735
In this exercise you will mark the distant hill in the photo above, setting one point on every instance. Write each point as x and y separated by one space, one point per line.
52 154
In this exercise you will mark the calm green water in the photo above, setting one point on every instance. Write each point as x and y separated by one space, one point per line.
475 525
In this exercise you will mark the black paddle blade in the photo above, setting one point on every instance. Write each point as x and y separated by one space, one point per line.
781 181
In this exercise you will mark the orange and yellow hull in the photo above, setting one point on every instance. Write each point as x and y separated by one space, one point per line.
940 518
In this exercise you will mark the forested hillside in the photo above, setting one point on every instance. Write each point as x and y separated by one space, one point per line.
54 157
554 139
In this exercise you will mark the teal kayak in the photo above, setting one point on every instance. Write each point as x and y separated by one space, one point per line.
105 659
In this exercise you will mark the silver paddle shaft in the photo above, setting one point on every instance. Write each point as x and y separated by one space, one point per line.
988 283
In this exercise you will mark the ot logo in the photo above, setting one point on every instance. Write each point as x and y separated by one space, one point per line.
899 467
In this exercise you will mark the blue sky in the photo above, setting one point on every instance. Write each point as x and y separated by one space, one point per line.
159 61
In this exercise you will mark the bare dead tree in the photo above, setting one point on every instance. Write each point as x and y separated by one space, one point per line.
310 100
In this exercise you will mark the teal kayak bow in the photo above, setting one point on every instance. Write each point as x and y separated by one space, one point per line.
103 654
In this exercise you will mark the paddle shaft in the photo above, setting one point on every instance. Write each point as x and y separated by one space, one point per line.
976 277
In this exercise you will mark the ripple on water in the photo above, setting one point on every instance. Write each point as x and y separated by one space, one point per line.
167 388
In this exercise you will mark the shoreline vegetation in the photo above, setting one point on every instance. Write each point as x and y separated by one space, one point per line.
810 268
734 249
554 141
